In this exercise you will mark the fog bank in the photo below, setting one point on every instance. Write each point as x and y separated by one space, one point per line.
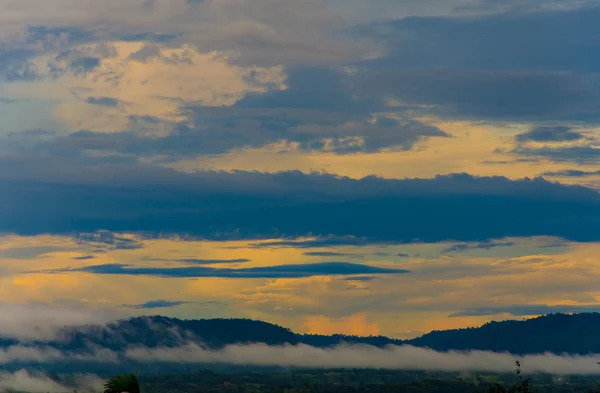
365 356
24 381
39 321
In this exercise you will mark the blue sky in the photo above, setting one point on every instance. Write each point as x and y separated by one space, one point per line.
326 165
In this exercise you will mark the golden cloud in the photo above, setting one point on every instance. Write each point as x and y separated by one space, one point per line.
126 82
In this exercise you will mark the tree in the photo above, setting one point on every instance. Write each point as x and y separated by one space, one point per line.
597 390
522 387
126 383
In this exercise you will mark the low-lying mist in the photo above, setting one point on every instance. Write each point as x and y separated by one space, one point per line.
305 356
366 356
26 381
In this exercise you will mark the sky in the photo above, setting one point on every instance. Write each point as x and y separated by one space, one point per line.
387 167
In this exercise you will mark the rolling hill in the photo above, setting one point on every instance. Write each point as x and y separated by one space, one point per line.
556 333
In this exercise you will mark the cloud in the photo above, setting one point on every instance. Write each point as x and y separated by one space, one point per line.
331 254
37 321
558 144
159 201
468 9
213 261
89 81
364 356
480 246
549 134
106 240
42 354
84 64
527 310
328 241
84 258
281 271
195 261
154 304
360 279
486 94
571 173
506 40
264 32
103 101
26 381
340 356
314 109
586 154
524 7
28 253
512 64
29 354
355 325
182 94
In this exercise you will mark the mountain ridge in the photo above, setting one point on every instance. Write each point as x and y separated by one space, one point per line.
574 334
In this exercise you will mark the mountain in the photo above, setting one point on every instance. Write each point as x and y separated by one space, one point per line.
160 331
555 333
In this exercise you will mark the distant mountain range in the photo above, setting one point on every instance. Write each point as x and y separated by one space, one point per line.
556 333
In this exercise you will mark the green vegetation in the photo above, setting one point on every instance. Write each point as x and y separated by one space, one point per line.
127 383
357 381
522 387
555 333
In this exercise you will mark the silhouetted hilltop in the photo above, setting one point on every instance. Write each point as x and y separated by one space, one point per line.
160 331
556 333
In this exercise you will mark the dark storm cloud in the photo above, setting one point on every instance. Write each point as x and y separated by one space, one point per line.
549 134
526 310
281 271
59 197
